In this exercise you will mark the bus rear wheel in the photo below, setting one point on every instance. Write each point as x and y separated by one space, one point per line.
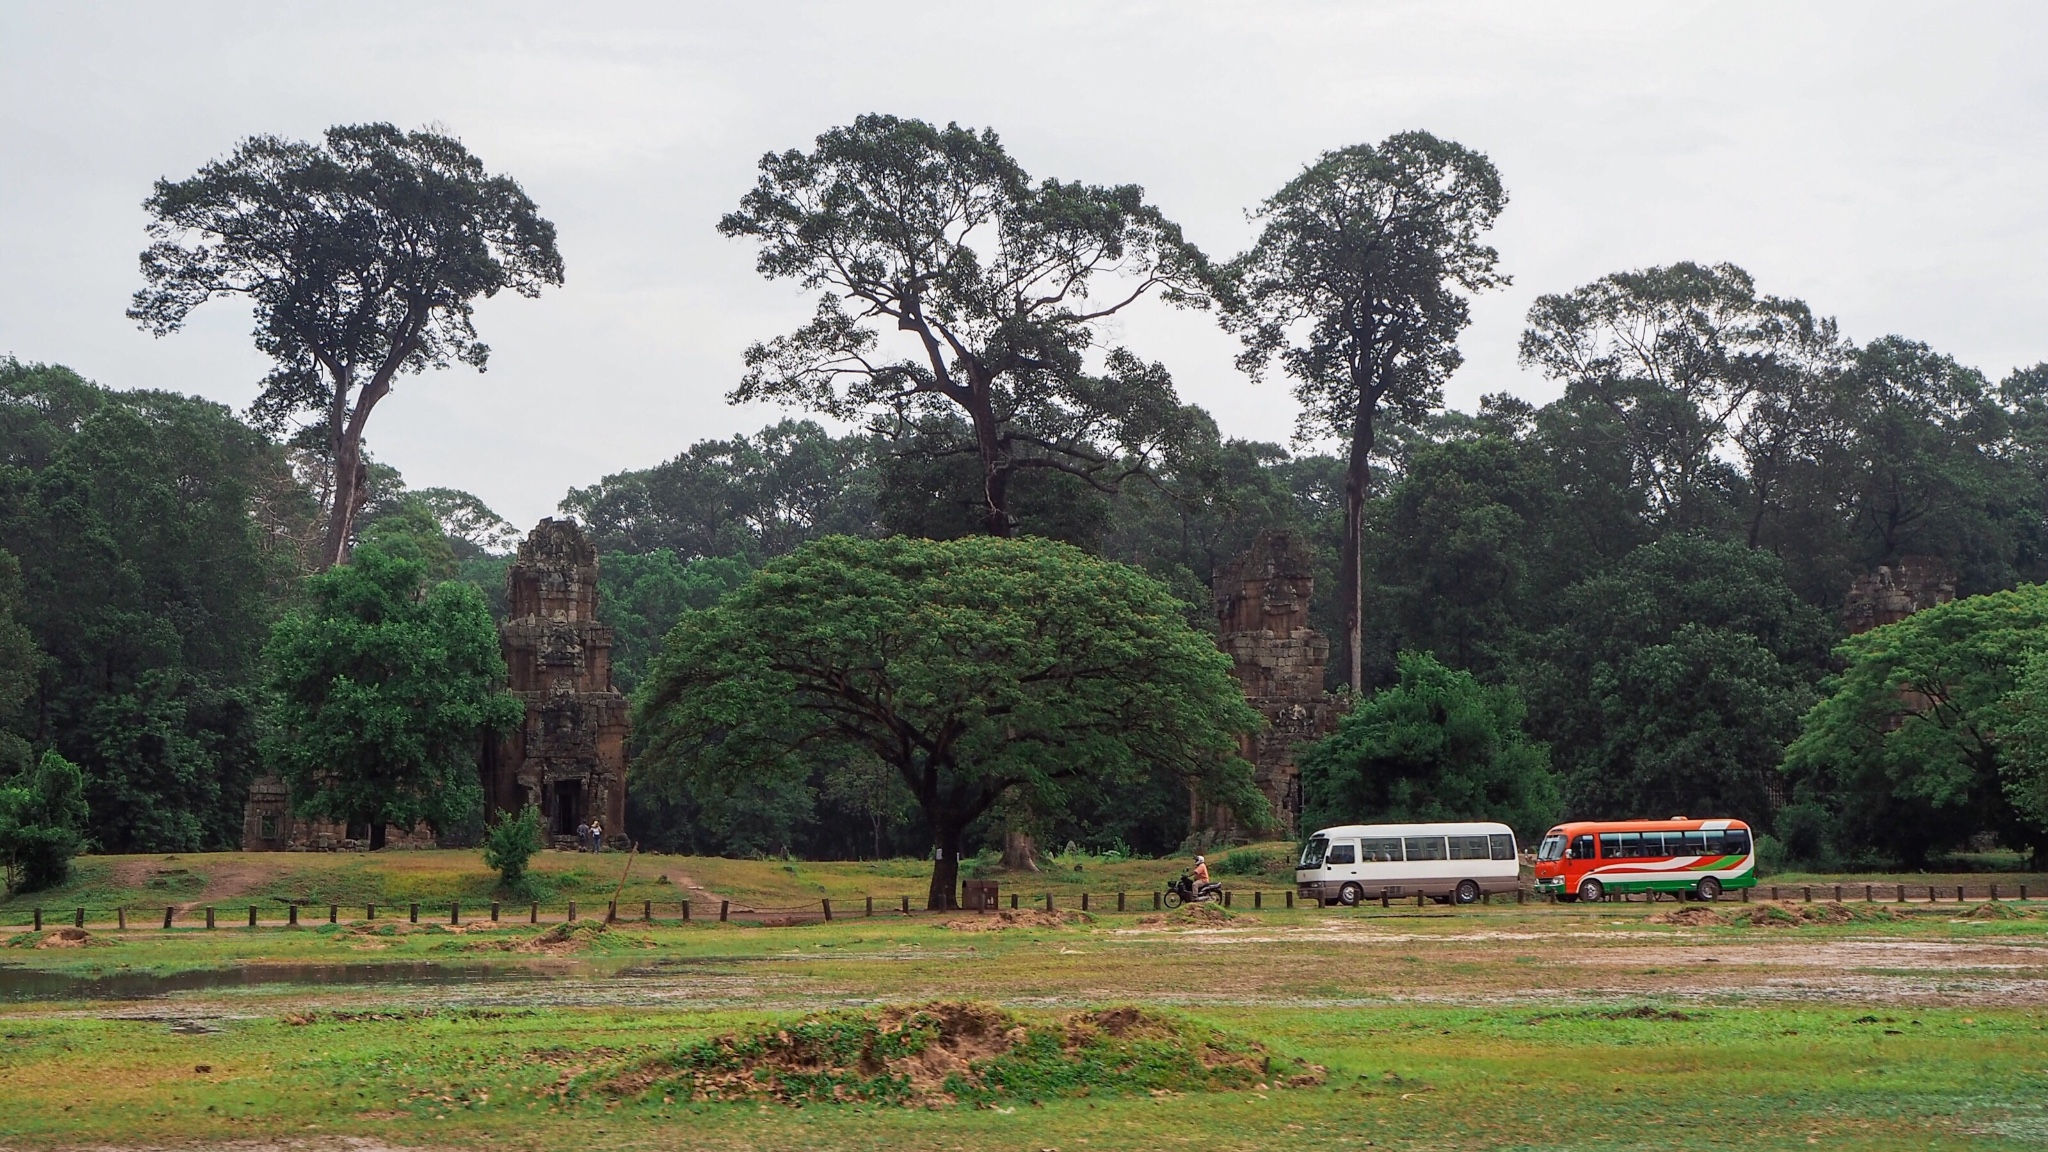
1467 892
1591 890
1350 895
1708 889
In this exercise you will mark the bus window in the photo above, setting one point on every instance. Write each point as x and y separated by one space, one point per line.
1425 847
1582 847
1695 844
1615 845
1500 846
1381 851
1470 848
1341 854
1653 845
1551 849
1735 841
1312 856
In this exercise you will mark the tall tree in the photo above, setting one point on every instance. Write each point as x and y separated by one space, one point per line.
1357 284
362 258
383 691
982 671
937 234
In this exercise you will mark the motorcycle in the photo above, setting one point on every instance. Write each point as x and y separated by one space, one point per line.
1182 891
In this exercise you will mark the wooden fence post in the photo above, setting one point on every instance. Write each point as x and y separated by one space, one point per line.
494 911
1838 893
1867 898
1258 899
828 910
121 918
1013 901
1155 901
292 915
1745 895
1084 901
415 913
724 906
1386 899
533 914
334 913
1048 901
647 910
252 915
38 914
370 911
906 906
686 911
572 910
871 906
1902 893
1994 893
1290 897
1119 901
209 918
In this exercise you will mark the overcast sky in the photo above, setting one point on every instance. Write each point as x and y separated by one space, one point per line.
1885 162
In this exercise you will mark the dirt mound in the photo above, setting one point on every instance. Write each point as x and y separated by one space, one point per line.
1690 917
1995 911
1197 915
561 938
1016 918
58 938
1768 915
950 1052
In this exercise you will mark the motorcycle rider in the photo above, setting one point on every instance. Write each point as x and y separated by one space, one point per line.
1203 889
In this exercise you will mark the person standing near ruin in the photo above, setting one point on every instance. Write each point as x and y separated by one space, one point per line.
583 836
596 836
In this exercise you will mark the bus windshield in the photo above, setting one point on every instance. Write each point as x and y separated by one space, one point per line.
1552 849
1312 856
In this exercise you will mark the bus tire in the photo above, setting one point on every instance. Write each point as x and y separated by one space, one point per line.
1349 895
1467 892
1591 890
1709 888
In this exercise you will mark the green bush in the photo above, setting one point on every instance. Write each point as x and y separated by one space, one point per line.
511 843
42 814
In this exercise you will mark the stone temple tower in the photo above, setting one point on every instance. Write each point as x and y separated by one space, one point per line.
1262 616
569 756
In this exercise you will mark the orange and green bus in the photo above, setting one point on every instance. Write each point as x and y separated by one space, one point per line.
1589 859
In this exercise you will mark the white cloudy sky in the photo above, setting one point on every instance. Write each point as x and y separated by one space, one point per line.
1887 162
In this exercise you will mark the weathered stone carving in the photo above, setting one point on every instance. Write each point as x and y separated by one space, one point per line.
1262 603
569 756
1896 591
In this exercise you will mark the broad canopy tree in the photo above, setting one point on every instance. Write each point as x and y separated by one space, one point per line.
984 671
383 692
362 257
1357 284
1000 286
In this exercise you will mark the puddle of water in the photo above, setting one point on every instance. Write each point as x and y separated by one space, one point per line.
26 985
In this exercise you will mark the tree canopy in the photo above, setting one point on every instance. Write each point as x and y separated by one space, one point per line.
383 693
1001 288
980 669
362 257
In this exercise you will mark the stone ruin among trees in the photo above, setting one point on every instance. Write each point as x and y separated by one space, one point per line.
1262 610
569 756
1894 592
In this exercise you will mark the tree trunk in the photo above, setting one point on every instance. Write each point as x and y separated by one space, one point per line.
1020 852
351 492
995 466
945 893
1351 574
376 835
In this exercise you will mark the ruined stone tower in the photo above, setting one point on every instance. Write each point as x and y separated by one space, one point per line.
1262 609
569 756
1896 591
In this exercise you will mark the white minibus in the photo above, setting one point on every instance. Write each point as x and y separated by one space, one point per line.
1457 862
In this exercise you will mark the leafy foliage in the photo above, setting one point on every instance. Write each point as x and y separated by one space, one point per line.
1908 753
384 692
977 668
1437 745
42 822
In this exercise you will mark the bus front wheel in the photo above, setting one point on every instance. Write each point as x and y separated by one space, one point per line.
1591 890
1709 888
1350 895
1467 892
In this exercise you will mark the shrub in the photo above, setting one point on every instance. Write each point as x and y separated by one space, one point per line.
511 843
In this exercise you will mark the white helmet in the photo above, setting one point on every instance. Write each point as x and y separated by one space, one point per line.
1198 859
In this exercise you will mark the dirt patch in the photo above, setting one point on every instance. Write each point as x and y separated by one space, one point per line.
933 1055
1690 917
1995 911
1768 915
1016 918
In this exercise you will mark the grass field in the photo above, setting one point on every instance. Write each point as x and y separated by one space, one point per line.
1603 1026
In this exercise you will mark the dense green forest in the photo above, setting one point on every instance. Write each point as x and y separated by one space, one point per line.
1651 565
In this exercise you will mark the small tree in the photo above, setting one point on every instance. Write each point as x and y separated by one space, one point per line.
1438 745
979 669
510 845
384 692
1357 285
362 257
42 822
